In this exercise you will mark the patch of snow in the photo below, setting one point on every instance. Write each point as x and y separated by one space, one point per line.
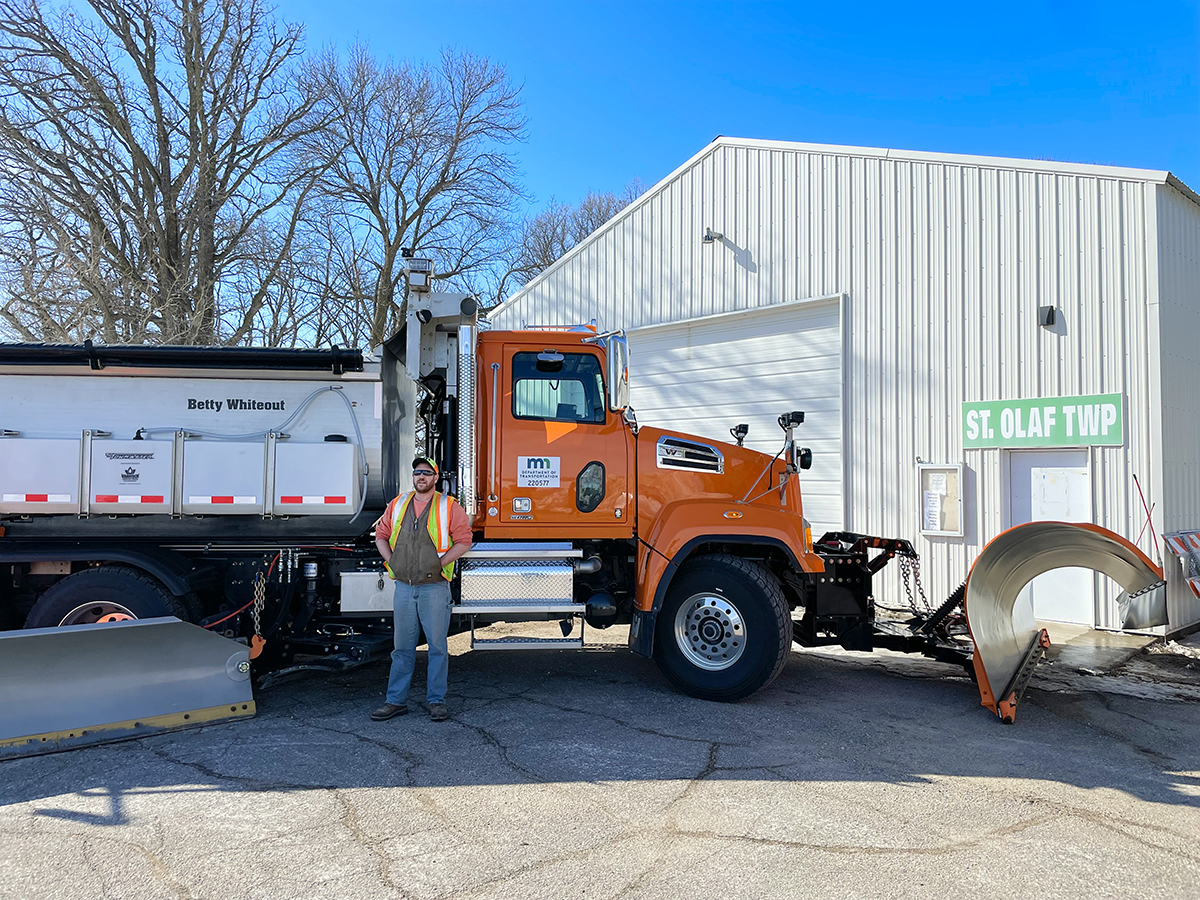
1176 649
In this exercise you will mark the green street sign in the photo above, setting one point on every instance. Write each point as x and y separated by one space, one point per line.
1094 420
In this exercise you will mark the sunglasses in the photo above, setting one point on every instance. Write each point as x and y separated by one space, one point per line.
422 472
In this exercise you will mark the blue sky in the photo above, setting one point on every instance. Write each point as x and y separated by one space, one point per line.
617 91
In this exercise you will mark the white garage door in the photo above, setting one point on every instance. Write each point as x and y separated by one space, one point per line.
706 375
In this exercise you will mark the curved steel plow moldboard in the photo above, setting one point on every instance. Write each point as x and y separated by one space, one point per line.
1008 642
87 684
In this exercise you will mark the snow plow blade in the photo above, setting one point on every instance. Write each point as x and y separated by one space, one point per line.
69 687
1008 642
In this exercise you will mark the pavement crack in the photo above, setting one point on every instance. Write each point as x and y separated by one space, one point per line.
710 766
246 781
641 729
501 751
351 823
860 849
568 856
410 760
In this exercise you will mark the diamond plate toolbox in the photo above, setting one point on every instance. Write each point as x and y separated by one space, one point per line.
516 582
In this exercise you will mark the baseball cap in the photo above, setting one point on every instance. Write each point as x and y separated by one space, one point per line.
425 461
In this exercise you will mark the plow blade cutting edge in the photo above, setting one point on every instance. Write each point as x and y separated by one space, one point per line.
1008 641
87 684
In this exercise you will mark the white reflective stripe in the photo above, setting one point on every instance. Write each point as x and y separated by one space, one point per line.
443 523
59 498
398 510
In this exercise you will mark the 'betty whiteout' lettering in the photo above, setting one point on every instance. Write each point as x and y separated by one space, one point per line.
1093 420
235 403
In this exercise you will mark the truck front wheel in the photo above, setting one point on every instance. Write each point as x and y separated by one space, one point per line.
724 630
103 594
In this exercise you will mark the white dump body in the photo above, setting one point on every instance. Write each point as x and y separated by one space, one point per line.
212 442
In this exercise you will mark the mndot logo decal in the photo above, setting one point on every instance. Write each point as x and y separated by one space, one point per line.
537 471
1089 421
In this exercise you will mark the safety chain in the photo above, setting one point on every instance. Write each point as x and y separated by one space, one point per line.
260 597
913 564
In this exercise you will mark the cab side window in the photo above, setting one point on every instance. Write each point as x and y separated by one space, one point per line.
558 387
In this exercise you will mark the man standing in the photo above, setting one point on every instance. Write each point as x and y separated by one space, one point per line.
420 536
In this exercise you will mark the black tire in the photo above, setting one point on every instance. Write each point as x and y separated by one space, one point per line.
88 595
718 593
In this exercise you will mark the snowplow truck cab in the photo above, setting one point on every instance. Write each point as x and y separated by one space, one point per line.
692 541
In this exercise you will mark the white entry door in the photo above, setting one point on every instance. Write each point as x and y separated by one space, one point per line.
1054 486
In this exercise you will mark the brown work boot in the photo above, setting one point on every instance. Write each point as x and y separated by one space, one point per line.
438 712
388 711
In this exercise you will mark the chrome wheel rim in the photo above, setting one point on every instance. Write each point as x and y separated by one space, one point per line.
93 613
709 631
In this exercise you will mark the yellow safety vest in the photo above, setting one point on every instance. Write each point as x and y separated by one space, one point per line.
439 526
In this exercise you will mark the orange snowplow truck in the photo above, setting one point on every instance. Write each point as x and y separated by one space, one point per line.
192 520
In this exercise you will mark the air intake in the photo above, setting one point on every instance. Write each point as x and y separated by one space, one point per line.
676 453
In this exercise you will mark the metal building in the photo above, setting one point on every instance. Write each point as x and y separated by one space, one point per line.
976 342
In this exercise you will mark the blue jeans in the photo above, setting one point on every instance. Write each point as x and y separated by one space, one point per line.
418 606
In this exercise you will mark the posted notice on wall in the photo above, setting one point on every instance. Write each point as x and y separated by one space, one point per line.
537 471
931 518
941 499
1086 421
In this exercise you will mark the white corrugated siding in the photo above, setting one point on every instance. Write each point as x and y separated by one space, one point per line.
707 375
944 263
1179 305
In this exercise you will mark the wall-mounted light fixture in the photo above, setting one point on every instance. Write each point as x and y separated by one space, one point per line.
710 236
1046 316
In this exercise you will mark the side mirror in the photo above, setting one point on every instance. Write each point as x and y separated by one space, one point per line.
804 458
617 354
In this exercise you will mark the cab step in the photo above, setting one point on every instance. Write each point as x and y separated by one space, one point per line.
527 643
500 607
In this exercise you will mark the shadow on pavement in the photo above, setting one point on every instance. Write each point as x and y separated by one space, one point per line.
605 715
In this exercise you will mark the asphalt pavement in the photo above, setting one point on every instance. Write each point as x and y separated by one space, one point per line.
583 774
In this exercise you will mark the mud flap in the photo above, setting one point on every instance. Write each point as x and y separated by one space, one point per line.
87 684
1008 642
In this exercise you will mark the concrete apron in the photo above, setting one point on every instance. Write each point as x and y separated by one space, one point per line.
1090 651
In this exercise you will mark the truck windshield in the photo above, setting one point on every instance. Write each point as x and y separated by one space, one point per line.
573 393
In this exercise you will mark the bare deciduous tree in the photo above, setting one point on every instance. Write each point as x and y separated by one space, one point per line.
420 158
548 235
152 182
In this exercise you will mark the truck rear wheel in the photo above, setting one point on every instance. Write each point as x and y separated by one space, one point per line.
103 594
724 630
